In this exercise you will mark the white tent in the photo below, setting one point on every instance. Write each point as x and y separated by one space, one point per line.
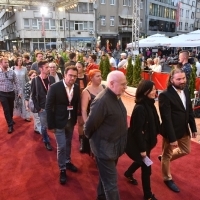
151 41
191 39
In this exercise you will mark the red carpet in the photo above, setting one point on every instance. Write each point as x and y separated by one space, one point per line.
29 172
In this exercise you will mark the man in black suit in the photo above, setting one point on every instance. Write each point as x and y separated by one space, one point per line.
176 114
39 88
62 107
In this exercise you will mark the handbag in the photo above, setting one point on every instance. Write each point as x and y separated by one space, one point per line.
30 102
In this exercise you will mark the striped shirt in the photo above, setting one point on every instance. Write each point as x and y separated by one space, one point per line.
9 81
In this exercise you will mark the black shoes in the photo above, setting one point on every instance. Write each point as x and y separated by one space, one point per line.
159 158
151 198
48 146
10 129
71 167
130 179
63 177
172 186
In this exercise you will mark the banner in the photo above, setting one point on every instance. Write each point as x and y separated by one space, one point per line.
43 27
178 12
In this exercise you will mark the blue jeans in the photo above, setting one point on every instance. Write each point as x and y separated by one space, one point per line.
43 121
64 143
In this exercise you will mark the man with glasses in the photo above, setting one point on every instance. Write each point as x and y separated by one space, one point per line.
106 127
8 83
62 107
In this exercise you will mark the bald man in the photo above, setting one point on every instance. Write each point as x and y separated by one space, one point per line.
106 127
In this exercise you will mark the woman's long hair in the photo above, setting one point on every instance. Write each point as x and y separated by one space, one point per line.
143 89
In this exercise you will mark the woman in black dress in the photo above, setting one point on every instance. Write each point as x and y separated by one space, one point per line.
142 135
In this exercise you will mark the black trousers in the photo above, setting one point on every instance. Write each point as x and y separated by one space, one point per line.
107 188
145 176
7 102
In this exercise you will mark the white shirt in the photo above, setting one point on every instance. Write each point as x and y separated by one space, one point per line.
113 62
156 68
122 63
182 96
198 68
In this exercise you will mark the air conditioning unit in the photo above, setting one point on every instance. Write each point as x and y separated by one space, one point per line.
91 32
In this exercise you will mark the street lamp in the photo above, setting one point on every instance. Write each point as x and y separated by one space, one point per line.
43 11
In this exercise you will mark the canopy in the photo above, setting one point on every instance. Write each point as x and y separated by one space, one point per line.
191 39
151 41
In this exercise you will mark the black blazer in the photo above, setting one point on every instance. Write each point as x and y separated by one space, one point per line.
56 105
60 76
39 94
175 118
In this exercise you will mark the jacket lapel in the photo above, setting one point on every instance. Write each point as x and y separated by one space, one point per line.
177 97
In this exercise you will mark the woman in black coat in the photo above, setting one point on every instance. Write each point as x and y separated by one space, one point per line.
142 136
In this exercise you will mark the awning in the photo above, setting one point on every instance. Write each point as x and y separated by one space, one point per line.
126 16
80 39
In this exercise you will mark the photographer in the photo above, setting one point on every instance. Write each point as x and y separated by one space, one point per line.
183 58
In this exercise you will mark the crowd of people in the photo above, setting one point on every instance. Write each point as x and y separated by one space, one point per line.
68 93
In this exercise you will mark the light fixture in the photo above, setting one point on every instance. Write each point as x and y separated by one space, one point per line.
15 9
7 9
44 10
24 9
60 9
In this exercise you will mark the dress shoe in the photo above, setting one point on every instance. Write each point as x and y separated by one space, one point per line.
130 179
63 177
36 131
48 146
159 158
151 198
10 129
101 197
71 167
172 186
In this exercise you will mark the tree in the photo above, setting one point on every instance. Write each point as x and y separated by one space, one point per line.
64 56
192 80
106 68
129 72
80 57
137 72
101 65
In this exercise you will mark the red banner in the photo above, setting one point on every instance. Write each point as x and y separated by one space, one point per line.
178 12
43 29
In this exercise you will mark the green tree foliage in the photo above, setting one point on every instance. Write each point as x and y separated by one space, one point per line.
137 72
64 56
80 57
192 80
129 72
106 68
101 65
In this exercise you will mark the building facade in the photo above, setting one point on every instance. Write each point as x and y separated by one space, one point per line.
71 28
186 18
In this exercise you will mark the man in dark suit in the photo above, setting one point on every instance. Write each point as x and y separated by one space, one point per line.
176 114
39 88
106 127
62 106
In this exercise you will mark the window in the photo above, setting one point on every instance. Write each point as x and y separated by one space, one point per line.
191 27
52 24
78 25
26 23
187 13
91 7
103 20
34 24
91 26
112 2
186 26
127 3
103 1
180 25
61 25
112 21
192 15
85 25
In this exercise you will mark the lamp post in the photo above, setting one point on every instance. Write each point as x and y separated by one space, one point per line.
69 31
64 32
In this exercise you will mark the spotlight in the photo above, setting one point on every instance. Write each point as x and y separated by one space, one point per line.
23 9
15 9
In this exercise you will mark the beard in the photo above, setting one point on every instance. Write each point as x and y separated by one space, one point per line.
179 86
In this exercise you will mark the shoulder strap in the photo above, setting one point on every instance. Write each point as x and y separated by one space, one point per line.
103 86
